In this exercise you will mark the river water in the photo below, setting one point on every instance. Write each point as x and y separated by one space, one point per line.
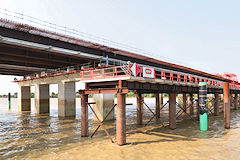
26 136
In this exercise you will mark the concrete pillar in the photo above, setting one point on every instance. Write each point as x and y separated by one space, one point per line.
216 105
236 101
172 111
157 105
41 98
24 98
139 108
104 103
184 99
121 119
226 94
66 99
191 104
84 115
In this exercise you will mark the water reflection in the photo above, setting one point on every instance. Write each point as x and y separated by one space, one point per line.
27 136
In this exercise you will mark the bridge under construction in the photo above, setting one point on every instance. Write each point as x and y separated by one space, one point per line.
43 57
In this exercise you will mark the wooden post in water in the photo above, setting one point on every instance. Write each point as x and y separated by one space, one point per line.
216 105
236 101
157 106
84 115
226 95
191 104
172 111
139 108
121 119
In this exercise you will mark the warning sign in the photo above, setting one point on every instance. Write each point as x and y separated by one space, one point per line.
135 69
148 72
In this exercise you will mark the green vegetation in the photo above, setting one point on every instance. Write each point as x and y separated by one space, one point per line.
6 95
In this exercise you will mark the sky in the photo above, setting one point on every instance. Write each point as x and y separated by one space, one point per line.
203 35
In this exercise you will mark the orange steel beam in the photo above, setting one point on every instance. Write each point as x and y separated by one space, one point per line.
84 115
172 111
121 119
104 91
226 96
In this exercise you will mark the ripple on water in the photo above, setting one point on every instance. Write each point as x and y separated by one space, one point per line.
26 136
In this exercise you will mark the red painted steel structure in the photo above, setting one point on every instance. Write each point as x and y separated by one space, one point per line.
118 72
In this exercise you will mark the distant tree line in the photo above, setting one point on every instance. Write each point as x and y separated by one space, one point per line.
55 95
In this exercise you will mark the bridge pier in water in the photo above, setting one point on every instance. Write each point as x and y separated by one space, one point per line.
66 99
103 100
42 104
24 98
104 103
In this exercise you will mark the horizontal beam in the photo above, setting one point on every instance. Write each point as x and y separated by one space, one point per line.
39 55
7 62
104 91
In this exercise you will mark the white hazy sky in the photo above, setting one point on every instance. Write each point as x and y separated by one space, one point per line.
204 34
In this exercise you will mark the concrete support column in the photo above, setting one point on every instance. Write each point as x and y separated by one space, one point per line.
41 98
226 95
184 101
172 111
104 104
157 106
191 104
66 99
121 119
24 98
139 108
84 115
236 101
216 105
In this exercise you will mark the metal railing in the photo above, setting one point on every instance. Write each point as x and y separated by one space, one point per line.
107 71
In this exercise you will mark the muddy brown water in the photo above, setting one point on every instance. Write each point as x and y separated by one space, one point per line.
27 136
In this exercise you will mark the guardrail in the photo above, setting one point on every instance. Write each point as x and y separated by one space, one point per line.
106 72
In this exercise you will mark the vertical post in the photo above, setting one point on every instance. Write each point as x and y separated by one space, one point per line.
198 107
84 115
230 100
203 106
226 94
161 97
139 108
216 105
191 104
121 119
9 101
157 106
236 101
184 101
172 111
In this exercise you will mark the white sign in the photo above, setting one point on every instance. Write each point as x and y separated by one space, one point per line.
135 69
148 72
